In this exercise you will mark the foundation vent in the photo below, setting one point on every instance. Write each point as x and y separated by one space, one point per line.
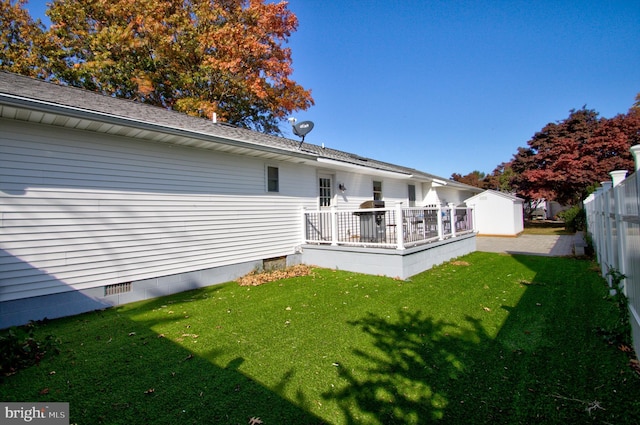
278 263
118 288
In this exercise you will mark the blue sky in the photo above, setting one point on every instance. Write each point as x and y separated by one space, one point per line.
457 86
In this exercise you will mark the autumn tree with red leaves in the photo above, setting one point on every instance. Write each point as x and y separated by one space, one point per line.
474 178
566 158
200 57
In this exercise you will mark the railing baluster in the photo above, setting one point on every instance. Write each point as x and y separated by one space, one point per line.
405 227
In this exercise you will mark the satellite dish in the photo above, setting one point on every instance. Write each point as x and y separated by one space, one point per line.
302 129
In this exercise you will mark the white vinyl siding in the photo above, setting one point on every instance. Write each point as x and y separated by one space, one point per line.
80 210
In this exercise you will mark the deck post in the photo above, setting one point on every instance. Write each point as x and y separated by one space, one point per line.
453 216
334 225
303 225
399 227
440 228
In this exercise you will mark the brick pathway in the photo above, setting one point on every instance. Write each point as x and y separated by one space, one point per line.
555 246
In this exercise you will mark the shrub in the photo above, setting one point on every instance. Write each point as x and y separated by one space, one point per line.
575 218
19 348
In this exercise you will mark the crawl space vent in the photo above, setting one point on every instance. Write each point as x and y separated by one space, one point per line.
118 288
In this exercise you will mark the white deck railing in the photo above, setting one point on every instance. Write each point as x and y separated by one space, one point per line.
397 228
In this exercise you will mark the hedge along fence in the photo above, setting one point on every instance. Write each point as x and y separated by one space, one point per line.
613 222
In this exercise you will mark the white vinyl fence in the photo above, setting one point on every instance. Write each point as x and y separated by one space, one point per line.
613 222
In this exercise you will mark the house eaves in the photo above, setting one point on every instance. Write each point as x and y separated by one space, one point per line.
22 108
349 166
33 100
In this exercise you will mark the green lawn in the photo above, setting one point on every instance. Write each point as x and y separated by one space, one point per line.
546 231
545 228
488 338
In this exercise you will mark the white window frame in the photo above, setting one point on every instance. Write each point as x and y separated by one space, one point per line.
377 192
331 194
268 178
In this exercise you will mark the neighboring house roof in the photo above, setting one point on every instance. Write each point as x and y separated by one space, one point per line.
30 99
490 192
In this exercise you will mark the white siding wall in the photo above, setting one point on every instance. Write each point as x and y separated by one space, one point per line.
81 210
360 189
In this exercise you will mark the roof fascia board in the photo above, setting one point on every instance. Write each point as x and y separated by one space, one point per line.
53 108
362 169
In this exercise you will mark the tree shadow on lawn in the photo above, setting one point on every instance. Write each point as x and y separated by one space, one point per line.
146 378
410 378
546 364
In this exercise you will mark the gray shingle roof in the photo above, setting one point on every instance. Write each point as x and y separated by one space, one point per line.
136 112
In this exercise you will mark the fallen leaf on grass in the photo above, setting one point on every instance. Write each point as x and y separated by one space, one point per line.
624 348
150 391
255 279
44 391
255 421
486 308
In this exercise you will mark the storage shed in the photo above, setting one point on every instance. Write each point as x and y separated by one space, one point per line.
497 213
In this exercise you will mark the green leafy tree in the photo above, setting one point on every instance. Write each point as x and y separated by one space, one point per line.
201 57
22 40
500 179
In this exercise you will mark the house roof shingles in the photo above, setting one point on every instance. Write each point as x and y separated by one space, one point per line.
34 91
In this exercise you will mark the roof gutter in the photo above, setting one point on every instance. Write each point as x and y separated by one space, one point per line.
71 111
359 168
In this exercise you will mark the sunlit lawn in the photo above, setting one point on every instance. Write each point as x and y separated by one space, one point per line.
488 338
534 228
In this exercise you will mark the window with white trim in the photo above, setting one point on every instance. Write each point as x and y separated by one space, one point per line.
273 179
325 195
412 195
377 190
